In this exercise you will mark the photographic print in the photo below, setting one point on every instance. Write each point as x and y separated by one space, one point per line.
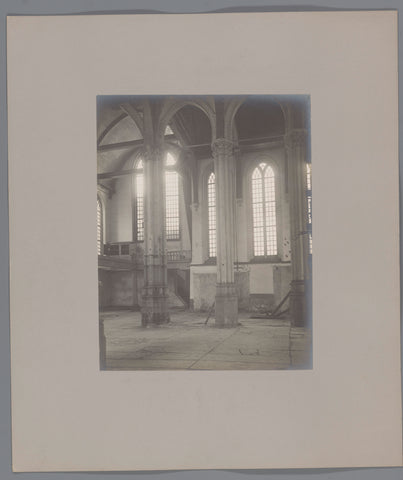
204 241
204 238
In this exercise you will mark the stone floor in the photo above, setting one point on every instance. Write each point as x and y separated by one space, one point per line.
187 343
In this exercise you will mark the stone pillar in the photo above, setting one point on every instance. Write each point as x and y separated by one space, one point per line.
155 292
226 301
296 153
197 252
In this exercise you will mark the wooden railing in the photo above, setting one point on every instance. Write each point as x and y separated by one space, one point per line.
179 256
137 253
117 249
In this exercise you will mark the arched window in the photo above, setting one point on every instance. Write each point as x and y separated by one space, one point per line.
139 199
171 200
170 160
264 211
309 200
99 227
212 240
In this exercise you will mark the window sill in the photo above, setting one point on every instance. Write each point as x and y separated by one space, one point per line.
211 261
266 259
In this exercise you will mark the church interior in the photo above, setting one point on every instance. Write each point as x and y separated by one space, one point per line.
204 232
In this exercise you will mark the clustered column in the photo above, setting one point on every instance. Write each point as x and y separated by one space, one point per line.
154 308
296 152
226 302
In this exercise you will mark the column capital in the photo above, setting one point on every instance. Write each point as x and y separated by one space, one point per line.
153 151
222 147
295 138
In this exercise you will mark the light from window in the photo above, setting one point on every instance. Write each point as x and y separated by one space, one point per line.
172 205
168 131
99 227
170 160
309 200
171 200
212 241
139 188
264 211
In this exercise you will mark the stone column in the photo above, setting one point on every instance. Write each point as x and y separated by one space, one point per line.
155 292
197 253
296 152
226 302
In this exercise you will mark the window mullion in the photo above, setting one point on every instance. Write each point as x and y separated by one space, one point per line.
264 213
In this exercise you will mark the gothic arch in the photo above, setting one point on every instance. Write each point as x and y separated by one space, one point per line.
173 105
232 109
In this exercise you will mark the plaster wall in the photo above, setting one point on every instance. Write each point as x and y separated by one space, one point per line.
197 239
281 281
241 246
202 294
200 240
261 278
118 214
203 281
121 289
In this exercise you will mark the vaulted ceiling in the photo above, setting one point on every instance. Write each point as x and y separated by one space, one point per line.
258 119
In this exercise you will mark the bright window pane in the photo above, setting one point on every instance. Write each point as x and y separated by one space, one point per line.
264 211
309 200
171 201
140 207
171 160
270 212
212 240
172 205
99 227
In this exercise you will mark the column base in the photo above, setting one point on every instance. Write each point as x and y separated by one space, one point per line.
298 305
154 318
154 310
226 305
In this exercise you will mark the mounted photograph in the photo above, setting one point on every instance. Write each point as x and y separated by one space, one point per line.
200 271
204 232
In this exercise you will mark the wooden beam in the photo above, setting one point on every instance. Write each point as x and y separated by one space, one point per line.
273 138
134 115
119 146
110 126
121 173
106 189
123 145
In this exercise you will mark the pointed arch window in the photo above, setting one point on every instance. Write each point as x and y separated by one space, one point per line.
264 211
172 214
309 200
99 226
211 204
172 224
139 201
172 205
